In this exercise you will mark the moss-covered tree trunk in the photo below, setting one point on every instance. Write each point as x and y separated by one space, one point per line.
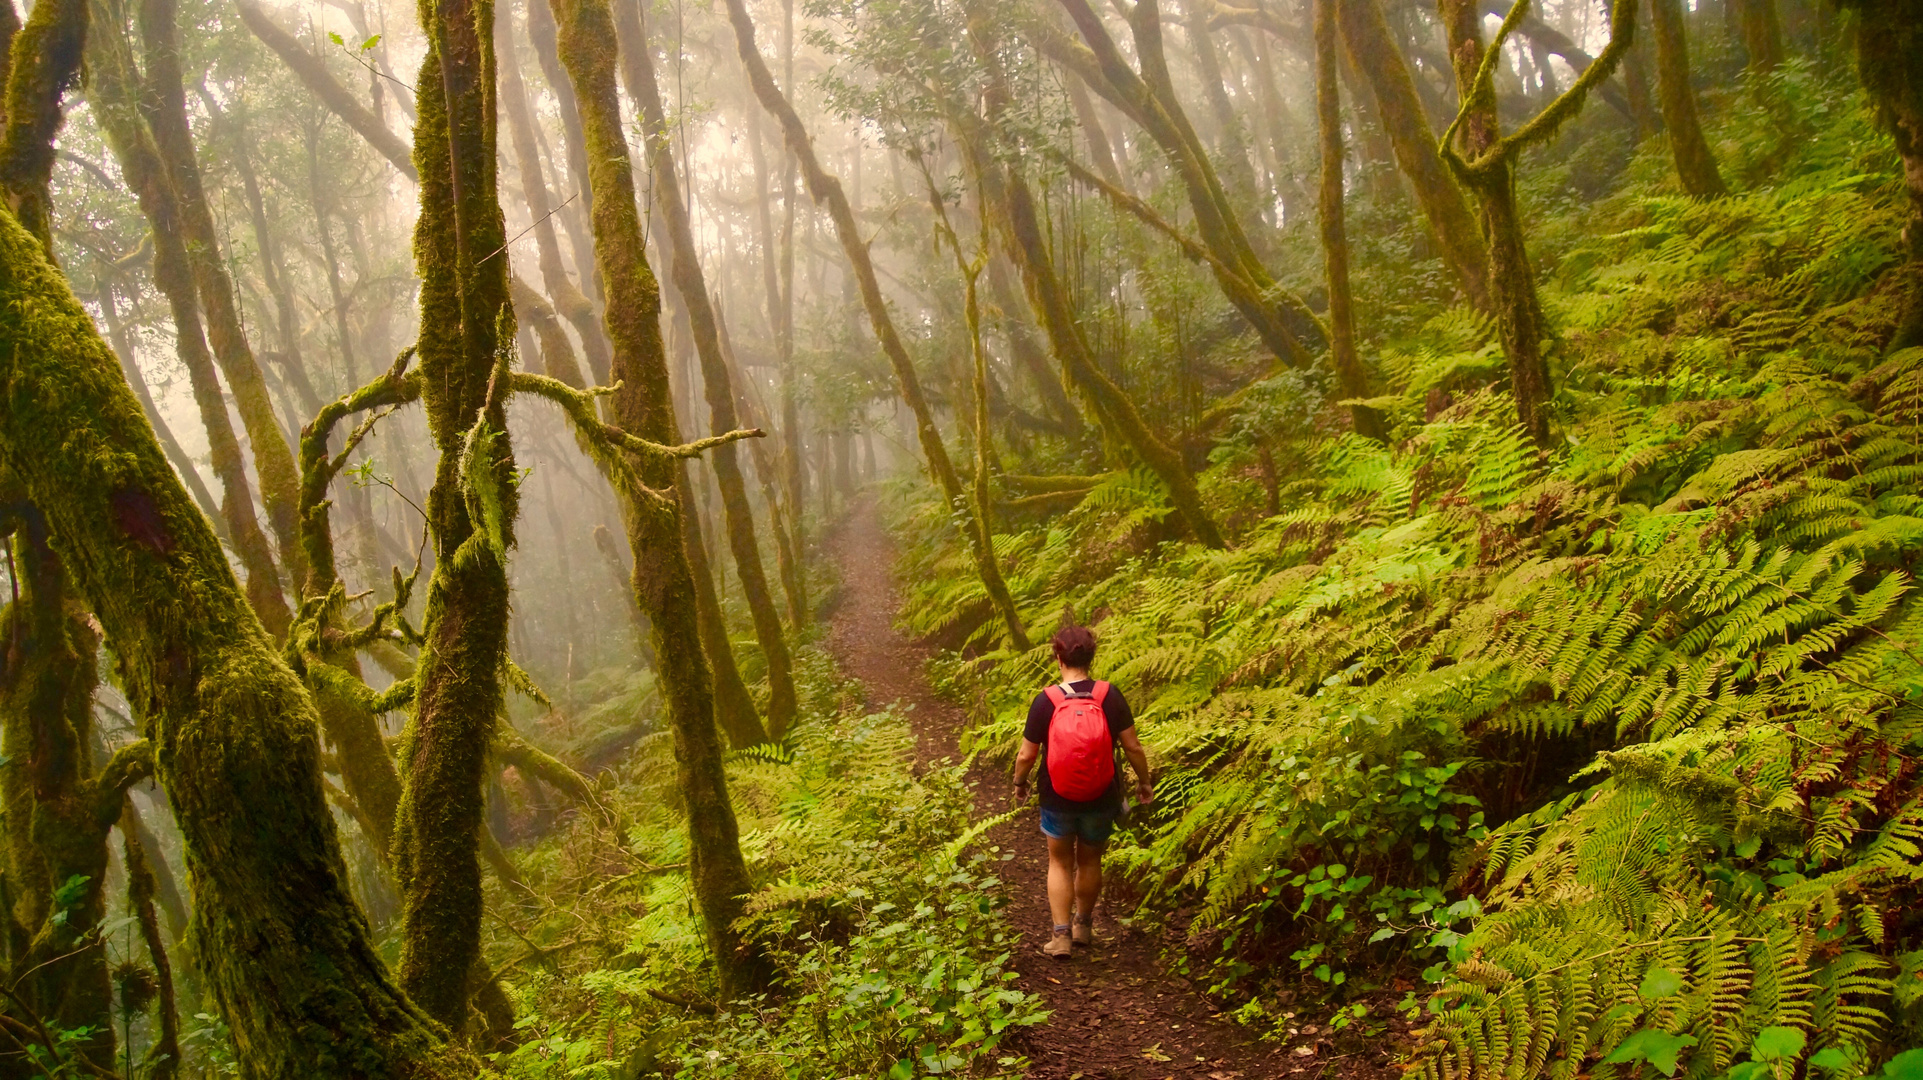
663 581
1335 239
734 706
575 215
1011 206
827 192
1695 164
1283 321
1512 281
114 99
569 301
57 811
123 347
1379 60
43 64
164 104
685 270
284 949
465 334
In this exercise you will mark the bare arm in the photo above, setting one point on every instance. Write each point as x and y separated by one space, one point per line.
1138 761
1024 762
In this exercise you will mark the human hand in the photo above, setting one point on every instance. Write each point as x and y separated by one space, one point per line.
1021 793
1144 793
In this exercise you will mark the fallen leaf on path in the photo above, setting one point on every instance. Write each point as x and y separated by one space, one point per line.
1305 1051
1154 1053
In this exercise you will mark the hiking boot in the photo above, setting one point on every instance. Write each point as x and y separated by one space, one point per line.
1083 932
1059 946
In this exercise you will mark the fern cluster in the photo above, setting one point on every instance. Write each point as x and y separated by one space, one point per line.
1620 740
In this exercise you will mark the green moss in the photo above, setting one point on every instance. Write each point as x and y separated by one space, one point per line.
467 326
283 947
48 51
663 581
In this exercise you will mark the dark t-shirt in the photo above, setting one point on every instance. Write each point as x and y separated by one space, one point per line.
1041 711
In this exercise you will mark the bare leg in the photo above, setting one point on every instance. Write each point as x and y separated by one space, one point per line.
1088 878
1061 878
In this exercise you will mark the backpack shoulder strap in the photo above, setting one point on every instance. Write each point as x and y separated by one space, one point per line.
1099 692
1055 695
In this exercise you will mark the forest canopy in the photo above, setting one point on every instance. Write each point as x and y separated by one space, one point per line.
532 529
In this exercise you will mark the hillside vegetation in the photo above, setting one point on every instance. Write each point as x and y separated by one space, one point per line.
1609 748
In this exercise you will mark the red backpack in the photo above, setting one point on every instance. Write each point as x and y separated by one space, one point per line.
1081 756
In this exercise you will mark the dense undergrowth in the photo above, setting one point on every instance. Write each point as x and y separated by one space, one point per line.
1612 751
877 903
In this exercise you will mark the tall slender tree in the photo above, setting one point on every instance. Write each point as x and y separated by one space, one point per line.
663 580
1335 239
164 104
828 193
115 101
691 283
1695 163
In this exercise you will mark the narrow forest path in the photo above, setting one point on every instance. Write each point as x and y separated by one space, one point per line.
1117 1014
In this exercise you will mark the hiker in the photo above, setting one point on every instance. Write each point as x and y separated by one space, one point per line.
1080 721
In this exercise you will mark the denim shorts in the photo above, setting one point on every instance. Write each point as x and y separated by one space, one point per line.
1091 826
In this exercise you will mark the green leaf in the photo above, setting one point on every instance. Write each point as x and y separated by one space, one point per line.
1832 1057
1659 983
336 39
902 1070
1658 1048
370 42
70 891
1907 1065
1777 1044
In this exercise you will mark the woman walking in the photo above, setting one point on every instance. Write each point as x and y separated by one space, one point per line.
1080 721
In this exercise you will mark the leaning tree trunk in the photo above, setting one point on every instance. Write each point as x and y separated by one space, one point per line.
1231 148
114 103
163 1056
685 270
466 327
1377 57
1009 203
314 75
827 192
285 951
1285 324
164 103
663 581
1695 164
1335 240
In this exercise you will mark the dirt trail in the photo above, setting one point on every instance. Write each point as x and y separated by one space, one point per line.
1117 1013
